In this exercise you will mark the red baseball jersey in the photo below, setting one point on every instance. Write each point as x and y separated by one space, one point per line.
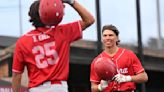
126 62
45 52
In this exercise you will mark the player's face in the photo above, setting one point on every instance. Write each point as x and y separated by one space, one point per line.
109 38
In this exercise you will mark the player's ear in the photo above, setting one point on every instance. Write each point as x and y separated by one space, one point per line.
118 40
63 5
64 9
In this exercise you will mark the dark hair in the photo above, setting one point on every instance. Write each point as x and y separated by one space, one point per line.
113 28
34 15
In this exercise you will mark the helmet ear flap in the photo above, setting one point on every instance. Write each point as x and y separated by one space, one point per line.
51 12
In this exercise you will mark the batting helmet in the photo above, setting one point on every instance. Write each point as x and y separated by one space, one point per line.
51 12
105 68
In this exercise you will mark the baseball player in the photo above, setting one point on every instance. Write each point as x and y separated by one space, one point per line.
129 68
45 51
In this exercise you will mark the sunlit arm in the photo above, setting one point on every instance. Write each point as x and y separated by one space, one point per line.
139 78
87 18
16 82
94 87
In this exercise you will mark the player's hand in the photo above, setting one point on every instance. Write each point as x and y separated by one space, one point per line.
68 1
122 78
103 84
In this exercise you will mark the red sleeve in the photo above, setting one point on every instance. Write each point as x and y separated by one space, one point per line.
137 66
18 65
72 31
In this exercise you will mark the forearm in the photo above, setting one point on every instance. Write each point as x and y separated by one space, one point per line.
87 18
94 88
139 78
16 82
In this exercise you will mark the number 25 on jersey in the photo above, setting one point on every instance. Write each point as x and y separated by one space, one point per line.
45 55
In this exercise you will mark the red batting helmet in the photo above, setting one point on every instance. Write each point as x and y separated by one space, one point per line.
105 68
51 12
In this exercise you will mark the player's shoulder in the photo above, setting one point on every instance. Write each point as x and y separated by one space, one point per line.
65 25
26 36
127 51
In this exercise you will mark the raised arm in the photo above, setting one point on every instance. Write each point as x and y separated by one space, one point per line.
86 16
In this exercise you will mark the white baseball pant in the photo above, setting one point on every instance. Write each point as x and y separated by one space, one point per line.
51 87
